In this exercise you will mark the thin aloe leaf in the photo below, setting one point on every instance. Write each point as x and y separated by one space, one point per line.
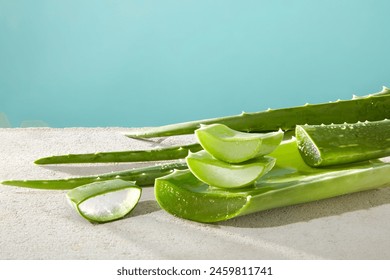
233 146
290 182
325 145
166 153
372 107
225 175
143 176
105 201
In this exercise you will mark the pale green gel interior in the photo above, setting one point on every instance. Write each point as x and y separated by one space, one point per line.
110 205
312 154
235 146
222 177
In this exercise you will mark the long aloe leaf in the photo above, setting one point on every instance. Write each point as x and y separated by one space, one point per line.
144 176
372 107
290 182
166 153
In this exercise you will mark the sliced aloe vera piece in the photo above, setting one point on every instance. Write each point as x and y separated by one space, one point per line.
220 174
325 145
234 146
290 182
106 200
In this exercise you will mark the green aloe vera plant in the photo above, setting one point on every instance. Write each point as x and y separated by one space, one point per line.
290 182
325 145
372 107
105 201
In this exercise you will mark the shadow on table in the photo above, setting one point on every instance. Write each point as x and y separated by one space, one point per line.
144 208
313 210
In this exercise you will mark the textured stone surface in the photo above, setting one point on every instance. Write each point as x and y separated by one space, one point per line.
39 224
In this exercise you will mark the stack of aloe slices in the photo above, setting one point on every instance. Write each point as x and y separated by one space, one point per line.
232 159
296 171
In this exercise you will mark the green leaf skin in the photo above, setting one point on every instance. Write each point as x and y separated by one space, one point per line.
168 153
326 145
105 201
225 175
143 176
234 146
290 182
373 107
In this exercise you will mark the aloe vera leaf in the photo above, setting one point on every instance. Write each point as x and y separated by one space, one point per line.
290 182
106 200
372 107
220 174
143 176
234 146
166 153
325 145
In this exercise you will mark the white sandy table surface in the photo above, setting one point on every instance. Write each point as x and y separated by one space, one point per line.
40 224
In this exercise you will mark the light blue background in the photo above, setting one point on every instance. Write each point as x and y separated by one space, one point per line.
142 63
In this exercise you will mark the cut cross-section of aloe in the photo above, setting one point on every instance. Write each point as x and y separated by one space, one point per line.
234 146
105 201
325 145
220 174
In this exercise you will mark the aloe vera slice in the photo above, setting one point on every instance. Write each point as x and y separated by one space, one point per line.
234 146
224 175
105 201
325 145
290 182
